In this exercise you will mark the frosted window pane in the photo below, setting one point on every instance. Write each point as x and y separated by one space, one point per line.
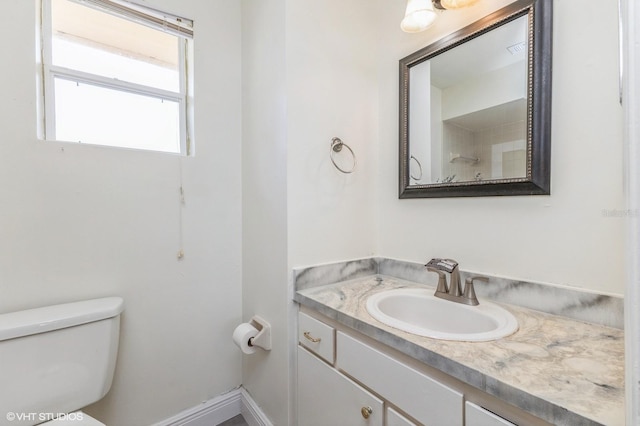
101 116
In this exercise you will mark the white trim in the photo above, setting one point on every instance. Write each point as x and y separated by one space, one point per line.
183 113
293 350
220 409
189 98
153 18
48 94
208 413
251 412
113 84
630 51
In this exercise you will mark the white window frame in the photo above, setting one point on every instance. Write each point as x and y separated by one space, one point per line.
175 25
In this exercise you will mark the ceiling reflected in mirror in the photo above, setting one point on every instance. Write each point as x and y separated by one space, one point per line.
472 124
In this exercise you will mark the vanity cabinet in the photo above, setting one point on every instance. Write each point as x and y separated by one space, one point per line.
327 397
478 416
425 399
345 379
396 419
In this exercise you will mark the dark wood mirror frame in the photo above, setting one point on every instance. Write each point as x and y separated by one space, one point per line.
538 179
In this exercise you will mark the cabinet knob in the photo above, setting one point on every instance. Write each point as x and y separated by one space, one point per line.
307 335
366 412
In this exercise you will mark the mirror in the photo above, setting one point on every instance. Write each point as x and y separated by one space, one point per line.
475 108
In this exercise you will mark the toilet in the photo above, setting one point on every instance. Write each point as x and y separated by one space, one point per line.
56 360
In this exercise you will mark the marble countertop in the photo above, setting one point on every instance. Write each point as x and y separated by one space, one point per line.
564 371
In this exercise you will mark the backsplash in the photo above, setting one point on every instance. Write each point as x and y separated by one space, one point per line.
580 305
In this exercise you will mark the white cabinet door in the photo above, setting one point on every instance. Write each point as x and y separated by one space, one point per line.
423 398
326 397
478 416
396 419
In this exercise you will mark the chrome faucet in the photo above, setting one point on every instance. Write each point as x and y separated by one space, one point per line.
453 292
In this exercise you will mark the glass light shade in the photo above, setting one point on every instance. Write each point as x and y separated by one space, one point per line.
418 16
456 4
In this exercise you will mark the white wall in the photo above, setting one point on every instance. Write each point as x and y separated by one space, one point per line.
485 91
425 123
309 74
331 91
79 222
265 375
563 238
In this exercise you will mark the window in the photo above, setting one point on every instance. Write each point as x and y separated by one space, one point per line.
116 74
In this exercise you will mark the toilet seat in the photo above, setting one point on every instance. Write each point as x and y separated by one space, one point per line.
77 418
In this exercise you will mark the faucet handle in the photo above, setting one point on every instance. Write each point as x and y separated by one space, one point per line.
447 265
469 292
442 280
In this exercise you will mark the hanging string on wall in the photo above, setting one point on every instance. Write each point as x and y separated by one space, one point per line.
181 204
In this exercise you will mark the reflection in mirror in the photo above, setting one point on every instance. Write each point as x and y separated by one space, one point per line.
469 119
472 107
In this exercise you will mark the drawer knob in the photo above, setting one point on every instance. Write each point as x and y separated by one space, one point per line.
366 412
307 335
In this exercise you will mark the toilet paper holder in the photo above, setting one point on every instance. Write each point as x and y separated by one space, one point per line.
263 338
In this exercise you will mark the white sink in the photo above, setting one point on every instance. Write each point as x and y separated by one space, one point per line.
418 311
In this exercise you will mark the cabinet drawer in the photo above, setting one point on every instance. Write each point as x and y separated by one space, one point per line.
423 398
316 336
326 397
478 416
396 419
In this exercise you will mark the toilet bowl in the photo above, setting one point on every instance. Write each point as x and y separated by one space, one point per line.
57 359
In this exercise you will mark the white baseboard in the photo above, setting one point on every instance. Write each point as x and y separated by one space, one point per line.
220 409
251 411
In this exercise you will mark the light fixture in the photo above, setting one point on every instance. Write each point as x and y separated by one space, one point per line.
418 16
453 4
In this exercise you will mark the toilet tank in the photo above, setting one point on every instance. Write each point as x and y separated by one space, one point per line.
57 359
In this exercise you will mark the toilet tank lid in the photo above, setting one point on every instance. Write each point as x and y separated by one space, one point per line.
48 318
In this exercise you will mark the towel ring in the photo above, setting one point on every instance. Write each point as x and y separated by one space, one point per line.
336 146
420 167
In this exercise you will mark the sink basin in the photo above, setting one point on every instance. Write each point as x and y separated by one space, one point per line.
418 311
